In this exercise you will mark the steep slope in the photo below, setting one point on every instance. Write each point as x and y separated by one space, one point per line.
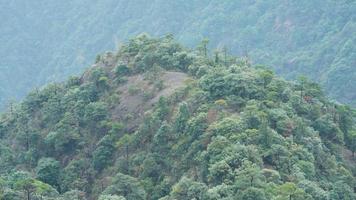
47 40
156 120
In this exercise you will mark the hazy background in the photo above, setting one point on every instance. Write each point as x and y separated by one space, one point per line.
48 40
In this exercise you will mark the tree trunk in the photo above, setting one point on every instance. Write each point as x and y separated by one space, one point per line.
28 194
127 158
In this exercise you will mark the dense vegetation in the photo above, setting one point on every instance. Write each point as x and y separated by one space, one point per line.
232 131
48 40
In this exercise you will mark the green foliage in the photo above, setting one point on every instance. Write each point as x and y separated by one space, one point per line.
95 112
122 70
253 194
111 197
20 185
126 186
181 118
162 139
102 156
48 171
290 191
189 189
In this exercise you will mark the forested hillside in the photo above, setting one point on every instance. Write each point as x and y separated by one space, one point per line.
47 40
156 120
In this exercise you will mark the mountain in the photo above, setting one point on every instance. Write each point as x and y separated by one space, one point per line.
157 120
46 40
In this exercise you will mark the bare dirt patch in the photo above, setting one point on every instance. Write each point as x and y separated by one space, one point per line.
348 157
139 95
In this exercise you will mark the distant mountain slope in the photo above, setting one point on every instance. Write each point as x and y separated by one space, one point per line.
48 40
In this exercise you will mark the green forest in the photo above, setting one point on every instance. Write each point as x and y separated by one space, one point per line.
158 120
45 41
